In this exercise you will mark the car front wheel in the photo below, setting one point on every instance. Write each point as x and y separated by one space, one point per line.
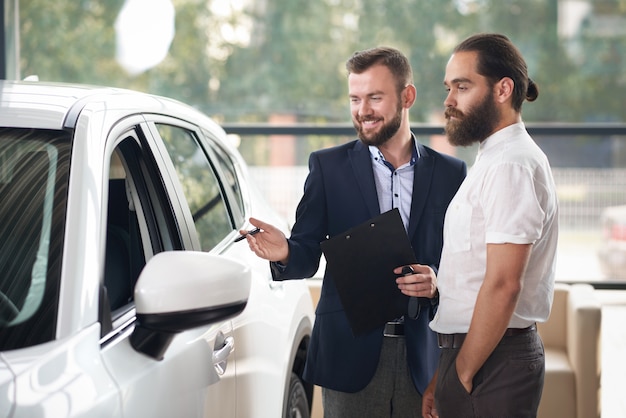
298 405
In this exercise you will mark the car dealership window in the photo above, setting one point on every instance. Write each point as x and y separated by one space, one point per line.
200 185
248 65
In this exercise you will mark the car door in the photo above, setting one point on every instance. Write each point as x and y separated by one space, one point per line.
209 219
146 215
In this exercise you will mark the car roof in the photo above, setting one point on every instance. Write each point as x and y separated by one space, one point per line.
49 105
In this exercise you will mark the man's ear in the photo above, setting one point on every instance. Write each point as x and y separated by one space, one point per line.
503 89
408 95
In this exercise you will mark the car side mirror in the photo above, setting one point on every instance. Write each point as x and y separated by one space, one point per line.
180 290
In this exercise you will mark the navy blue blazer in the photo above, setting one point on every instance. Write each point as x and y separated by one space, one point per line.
340 193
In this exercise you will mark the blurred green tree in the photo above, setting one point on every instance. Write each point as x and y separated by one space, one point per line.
246 61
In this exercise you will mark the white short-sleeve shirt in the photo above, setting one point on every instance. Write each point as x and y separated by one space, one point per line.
508 196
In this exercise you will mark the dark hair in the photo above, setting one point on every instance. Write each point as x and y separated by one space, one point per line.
499 58
391 58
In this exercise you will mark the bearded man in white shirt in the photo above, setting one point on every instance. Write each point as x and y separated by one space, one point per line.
496 276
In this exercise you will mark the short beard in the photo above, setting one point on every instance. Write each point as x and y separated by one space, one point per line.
474 126
387 131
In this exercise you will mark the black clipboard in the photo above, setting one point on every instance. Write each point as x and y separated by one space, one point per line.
361 263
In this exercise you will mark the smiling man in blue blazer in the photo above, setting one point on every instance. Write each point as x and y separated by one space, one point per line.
381 373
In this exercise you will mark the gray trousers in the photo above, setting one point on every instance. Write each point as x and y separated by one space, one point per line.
390 393
508 385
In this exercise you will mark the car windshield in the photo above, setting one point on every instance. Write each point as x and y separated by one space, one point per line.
34 167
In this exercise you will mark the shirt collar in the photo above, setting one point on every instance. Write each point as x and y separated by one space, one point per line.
500 136
378 156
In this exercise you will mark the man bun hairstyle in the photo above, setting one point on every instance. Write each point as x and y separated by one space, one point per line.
532 92
499 58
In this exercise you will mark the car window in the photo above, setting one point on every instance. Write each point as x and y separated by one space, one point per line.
200 184
229 176
34 170
124 254
140 222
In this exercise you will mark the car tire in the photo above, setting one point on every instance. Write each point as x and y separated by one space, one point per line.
298 404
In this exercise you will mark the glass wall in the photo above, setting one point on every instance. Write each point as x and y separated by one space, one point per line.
281 62
265 60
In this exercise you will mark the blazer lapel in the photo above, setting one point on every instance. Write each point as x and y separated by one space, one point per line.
361 161
422 176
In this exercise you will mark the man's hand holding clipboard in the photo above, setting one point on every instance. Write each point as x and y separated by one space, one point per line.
364 263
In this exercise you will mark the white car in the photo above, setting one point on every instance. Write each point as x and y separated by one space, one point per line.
122 290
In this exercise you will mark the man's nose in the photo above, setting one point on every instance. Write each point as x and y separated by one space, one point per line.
365 109
449 100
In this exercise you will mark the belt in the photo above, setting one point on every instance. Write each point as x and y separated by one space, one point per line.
456 340
394 329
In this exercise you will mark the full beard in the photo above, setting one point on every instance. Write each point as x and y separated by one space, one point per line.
474 126
386 132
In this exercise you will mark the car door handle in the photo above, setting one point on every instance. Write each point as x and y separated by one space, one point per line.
220 355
